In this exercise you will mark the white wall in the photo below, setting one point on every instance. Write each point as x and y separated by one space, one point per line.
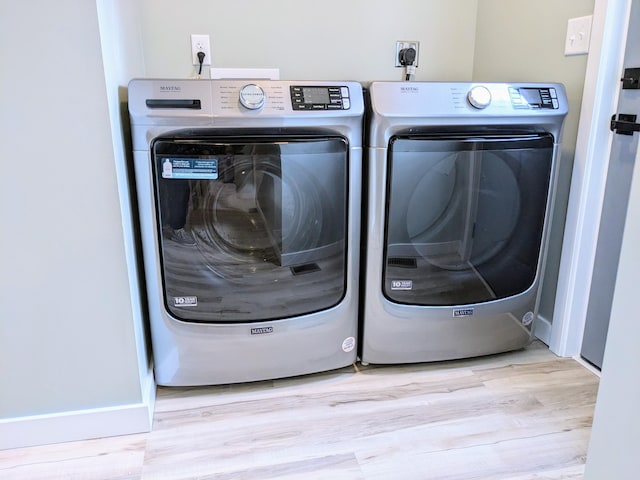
329 40
67 332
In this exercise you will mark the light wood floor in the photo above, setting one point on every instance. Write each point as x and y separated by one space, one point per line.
520 416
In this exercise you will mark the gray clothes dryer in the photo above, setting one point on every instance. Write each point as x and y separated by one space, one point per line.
460 187
249 200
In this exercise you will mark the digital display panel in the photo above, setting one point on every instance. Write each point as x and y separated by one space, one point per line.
315 95
531 95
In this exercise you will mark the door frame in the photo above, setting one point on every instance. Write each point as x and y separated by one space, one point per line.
591 161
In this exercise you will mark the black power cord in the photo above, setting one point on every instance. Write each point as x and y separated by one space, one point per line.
407 57
201 56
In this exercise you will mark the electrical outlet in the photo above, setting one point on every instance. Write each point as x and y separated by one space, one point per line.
200 43
401 44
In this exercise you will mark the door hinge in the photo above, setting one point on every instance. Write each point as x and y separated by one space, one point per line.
624 124
631 79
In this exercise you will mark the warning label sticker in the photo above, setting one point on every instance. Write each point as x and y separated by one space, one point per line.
190 168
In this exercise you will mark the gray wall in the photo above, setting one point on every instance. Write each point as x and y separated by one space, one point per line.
70 327
67 331
350 40
480 40
521 40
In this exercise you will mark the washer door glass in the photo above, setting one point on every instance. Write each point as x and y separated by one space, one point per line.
251 229
465 217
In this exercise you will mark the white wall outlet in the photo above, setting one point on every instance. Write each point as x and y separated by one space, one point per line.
200 43
578 35
401 44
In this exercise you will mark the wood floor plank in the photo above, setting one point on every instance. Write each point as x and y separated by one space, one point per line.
114 458
523 415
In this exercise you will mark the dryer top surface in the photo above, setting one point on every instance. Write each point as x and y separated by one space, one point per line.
464 106
474 102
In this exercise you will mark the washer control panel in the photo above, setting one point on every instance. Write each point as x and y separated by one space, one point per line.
526 97
320 97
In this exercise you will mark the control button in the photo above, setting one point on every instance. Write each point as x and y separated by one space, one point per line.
479 97
252 96
344 91
555 103
553 93
346 103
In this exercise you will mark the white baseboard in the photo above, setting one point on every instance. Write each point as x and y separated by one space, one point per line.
543 330
595 370
80 424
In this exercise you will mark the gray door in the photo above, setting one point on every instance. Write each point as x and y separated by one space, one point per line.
614 209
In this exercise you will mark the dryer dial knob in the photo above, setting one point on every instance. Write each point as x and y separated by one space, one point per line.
479 97
252 96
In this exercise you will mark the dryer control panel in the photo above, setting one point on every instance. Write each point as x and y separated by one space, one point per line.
309 97
526 97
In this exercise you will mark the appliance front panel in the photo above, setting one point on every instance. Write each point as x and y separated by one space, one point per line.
464 217
251 228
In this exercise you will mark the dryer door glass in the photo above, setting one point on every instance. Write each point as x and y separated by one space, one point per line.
251 229
465 217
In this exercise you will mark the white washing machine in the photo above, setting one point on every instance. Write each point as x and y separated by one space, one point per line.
249 202
460 189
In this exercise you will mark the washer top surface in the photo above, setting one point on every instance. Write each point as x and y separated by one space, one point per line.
158 106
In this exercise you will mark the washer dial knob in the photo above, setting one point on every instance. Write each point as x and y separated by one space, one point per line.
479 97
252 96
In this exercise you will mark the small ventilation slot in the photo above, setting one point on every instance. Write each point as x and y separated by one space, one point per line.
402 262
305 268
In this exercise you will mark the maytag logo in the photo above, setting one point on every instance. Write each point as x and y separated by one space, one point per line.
170 88
463 312
261 330
409 89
